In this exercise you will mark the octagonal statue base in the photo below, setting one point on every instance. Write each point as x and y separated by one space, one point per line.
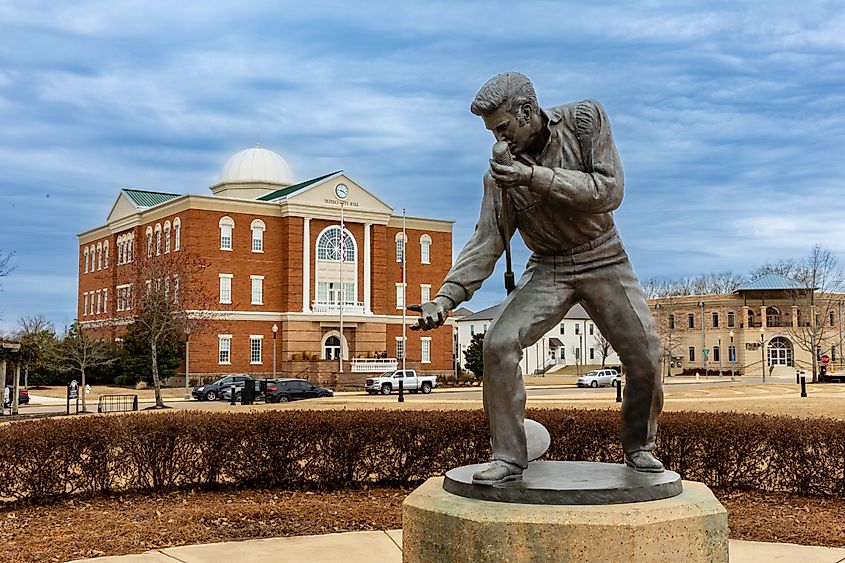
441 527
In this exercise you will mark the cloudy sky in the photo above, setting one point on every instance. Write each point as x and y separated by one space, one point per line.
728 115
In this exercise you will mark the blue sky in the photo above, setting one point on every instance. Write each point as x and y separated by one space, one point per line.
728 115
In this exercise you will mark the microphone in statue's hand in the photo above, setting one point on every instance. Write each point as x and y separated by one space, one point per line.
502 153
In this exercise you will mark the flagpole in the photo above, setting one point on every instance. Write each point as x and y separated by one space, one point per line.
404 289
342 290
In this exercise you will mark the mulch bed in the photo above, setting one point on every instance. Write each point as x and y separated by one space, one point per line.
80 528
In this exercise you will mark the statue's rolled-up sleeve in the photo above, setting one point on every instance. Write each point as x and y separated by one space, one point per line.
478 258
598 190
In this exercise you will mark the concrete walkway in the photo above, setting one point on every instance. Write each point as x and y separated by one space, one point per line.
386 547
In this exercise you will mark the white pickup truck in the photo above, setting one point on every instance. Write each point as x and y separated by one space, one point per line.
388 382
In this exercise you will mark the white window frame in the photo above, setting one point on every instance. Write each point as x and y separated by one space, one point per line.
400 296
226 286
85 252
105 300
85 303
425 249
256 282
106 254
257 227
158 239
99 301
400 347
167 237
425 349
253 338
99 256
91 312
227 224
400 246
177 234
149 242
425 292
220 349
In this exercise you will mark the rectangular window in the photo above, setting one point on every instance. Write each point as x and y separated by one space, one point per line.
85 304
592 353
731 319
691 354
562 328
105 300
255 349
591 329
225 237
400 348
224 350
577 329
577 353
176 289
425 347
257 290
715 319
92 303
425 251
400 247
690 320
731 353
425 293
225 288
717 354
472 330
400 296
671 322
832 320
257 239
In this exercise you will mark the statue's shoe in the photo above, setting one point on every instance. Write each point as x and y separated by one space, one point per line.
497 473
642 460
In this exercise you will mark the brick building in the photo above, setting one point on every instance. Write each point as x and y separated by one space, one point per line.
272 249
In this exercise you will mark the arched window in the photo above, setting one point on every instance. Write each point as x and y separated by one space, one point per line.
149 242
121 243
773 316
130 247
106 253
780 352
257 228
99 256
329 244
177 234
400 247
425 249
93 252
158 239
86 259
167 237
227 226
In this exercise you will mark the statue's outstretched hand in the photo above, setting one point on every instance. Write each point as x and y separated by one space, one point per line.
432 315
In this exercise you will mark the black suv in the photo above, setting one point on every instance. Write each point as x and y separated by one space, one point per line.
285 390
212 391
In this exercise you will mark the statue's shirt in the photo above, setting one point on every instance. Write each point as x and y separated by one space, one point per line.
576 184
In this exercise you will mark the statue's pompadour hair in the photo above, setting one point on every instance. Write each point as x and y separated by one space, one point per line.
511 89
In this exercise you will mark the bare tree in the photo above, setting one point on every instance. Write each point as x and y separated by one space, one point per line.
6 266
79 352
787 267
820 277
172 299
605 349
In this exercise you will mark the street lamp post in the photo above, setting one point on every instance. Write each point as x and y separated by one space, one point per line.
732 355
763 352
187 362
720 355
275 331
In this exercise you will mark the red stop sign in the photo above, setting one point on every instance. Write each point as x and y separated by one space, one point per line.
825 359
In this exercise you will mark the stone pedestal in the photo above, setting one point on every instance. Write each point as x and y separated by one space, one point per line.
440 527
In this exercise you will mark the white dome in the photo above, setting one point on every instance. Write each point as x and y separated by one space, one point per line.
257 165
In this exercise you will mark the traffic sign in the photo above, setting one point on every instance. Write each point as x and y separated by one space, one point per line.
825 359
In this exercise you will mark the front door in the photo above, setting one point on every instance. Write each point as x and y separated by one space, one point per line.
331 350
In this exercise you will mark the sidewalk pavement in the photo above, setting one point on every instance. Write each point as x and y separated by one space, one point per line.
386 547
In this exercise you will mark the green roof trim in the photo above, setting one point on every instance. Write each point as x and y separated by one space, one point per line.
295 188
144 198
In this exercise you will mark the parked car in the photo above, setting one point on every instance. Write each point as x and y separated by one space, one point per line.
259 386
286 390
600 378
23 396
213 391
388 382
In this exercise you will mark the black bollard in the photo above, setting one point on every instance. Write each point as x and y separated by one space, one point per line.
803 386
797 376
619 391
401 392
232 398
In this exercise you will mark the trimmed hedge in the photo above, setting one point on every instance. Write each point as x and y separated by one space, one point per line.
329 450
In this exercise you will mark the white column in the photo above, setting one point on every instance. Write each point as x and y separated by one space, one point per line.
367 267
306 265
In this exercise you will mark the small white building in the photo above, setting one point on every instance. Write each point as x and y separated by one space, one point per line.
575 341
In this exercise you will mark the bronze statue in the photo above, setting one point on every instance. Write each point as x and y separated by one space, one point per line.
558 187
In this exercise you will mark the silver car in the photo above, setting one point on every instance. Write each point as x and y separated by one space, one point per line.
600 378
